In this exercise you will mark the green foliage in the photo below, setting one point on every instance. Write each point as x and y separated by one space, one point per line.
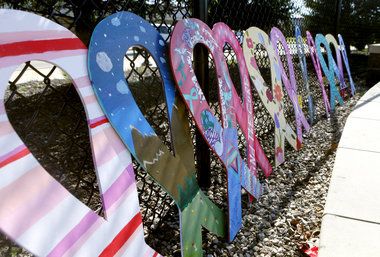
359 23
243 14
82 16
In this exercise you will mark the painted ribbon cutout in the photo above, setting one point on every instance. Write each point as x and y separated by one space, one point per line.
303 65
83 233
222 140
318 71
244 112
331 40
346 63
110 40
330 70
37 212
290 84
274 104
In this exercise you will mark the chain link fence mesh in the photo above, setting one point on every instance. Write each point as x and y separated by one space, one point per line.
48 114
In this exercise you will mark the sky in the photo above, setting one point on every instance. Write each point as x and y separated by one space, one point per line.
301 5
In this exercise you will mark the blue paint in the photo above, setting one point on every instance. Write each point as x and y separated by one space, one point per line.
303 65
110 40
331 71
237 171
346 63
234 202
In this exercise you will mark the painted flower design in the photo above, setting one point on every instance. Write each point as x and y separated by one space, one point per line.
187 37
276 121
278 92
249 42
207 121
300 102
269 95
299 144
279 154
253 63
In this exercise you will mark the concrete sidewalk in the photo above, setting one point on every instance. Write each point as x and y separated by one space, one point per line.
351 221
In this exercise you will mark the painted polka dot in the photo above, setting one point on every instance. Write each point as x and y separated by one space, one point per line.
122 87
136 38
104 62
116 22
142 29
162 60
161 42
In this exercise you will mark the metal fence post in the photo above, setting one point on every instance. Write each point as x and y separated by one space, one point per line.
200 11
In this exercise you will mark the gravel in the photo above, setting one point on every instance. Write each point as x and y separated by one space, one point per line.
290 211
284 219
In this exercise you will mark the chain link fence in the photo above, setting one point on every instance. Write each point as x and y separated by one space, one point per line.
49 117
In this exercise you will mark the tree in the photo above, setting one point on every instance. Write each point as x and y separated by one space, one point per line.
359 21
242 14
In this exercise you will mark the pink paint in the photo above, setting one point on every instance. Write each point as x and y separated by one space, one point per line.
20 59
94 121
71 250
106 146
289 82
271 95
90 99
189 87
82 82
2 107
13 152
124 248
75 234
318 70
28 199
116 190
31 199
222 138
114 207
19 36
244 113
5 128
